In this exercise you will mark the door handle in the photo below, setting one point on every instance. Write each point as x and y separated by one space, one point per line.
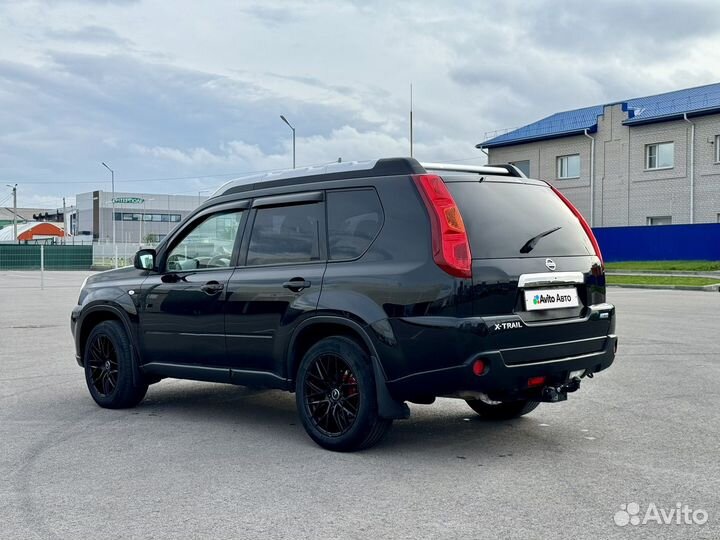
297 284
212 287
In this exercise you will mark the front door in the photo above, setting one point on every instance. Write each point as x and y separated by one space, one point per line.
182 307
279 283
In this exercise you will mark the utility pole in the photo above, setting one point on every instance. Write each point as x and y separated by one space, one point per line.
65 223
14 190
112 180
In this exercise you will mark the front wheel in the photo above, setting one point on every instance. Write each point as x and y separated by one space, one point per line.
336 397
505 410
108 360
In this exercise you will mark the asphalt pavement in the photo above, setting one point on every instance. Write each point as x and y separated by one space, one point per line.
198 460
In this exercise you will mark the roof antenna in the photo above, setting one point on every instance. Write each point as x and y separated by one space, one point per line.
411 120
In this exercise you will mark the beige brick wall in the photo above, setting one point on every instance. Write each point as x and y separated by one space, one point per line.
625 193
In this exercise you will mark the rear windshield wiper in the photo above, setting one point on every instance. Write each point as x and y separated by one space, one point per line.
530 244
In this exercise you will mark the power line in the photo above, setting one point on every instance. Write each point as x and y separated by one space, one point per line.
170 178
133 180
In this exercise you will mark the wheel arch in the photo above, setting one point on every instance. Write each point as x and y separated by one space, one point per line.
314 329
93 316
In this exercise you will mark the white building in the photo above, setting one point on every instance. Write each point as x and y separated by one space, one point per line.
140 218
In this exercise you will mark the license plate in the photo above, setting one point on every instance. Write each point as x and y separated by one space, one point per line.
536 299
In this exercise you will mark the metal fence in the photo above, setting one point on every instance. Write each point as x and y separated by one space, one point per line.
46 265
31 265
45 257
699 242
104 255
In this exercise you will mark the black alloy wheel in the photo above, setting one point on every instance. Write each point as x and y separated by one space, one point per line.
332 396
113 379
336 396
103 365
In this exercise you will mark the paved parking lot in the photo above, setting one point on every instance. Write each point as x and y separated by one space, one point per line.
203 460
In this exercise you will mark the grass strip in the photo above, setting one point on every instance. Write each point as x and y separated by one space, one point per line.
666 266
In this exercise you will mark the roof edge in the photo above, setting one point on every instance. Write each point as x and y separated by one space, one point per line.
579 131
639 120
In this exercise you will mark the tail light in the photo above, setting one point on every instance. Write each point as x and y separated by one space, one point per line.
451 249
586 227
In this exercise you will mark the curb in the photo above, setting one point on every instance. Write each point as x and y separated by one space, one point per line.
703 288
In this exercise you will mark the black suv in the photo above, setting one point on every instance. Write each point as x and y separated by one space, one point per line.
360 286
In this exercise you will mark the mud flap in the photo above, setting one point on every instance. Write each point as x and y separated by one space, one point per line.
388 407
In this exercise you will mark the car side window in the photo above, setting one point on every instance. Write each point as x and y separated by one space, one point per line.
209 244
354 219
285 234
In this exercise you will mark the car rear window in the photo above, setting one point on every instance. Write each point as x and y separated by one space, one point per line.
502 217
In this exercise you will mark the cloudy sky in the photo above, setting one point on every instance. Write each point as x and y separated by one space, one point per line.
180 96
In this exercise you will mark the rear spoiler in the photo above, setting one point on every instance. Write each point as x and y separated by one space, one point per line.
505 169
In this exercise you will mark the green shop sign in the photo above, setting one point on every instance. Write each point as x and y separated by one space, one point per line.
128 200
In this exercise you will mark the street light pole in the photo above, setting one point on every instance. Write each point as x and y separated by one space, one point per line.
293 132
112 180
14 190
142 218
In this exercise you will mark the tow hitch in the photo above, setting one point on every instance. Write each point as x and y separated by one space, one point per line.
554 394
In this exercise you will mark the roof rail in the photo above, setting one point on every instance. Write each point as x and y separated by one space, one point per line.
501 170
330 171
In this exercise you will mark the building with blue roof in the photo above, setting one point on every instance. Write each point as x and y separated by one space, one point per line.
651 160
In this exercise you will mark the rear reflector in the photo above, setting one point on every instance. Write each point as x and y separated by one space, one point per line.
478 367
536 381
586 227
451 249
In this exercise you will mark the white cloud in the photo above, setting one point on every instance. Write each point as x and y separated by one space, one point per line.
182 90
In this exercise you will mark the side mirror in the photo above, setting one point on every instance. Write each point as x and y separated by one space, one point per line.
145 259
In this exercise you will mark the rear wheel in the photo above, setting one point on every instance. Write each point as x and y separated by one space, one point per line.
108 360
336 397
504 410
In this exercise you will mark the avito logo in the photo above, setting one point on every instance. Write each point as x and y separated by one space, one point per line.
551 298
544 299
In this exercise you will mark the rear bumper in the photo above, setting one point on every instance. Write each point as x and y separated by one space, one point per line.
501 380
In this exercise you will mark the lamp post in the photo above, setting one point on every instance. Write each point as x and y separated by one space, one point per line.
293 131
142 219
14 190
112 180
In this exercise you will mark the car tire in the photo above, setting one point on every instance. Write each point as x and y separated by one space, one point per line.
109 367
502 411
336 397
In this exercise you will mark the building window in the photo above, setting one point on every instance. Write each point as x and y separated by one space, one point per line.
660 156
523 165
659 220
568 166
134 216
717 148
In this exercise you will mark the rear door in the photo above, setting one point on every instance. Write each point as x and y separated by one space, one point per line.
532 262
278 280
